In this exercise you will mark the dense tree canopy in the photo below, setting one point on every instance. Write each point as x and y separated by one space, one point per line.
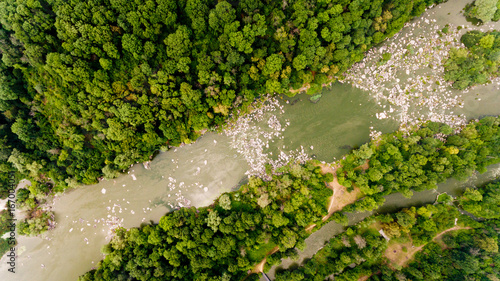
419 161
475 64
483 10
469 251
231 236
5 231
222 241
89 87
483 202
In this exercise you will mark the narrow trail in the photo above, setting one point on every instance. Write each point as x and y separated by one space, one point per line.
364 278
260 266
340 198
331 205
397 256
450 229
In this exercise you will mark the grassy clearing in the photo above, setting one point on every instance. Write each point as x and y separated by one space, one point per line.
341 197
401 253
261 253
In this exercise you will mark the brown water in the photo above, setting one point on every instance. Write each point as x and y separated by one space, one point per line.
85 215
327 130
393 202
477 102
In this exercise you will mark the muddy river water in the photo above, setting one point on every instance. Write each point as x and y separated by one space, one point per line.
196 174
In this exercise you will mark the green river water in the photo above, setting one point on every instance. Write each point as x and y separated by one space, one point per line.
196 174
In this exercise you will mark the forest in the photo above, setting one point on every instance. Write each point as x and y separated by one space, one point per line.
222 241
88 88
441 243
419 161
225 240
483 10
475 64
483 202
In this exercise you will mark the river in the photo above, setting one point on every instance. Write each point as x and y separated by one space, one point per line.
198 173
393 202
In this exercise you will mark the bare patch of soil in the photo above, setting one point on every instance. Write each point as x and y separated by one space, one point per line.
397 256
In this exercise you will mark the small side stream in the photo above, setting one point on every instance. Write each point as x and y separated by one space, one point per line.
196 174
393 202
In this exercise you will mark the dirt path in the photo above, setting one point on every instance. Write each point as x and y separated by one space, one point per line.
448 230
260 266
341 197
395 252
365 166
364 278
338 190
303 88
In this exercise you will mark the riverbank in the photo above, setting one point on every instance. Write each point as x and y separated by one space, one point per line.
363 250
400 254
341 197
310 126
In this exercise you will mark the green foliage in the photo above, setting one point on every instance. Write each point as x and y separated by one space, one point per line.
213 220
5 227
444 198
225 202
88 88
469 254
420 160
475 64
385 58
364 152
225 239
260 251
483 10
483 202
38 222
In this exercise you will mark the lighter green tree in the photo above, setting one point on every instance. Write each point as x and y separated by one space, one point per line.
484 10
225 202
213 220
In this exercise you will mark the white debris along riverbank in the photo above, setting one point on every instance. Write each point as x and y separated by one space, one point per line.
250 137
412 80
